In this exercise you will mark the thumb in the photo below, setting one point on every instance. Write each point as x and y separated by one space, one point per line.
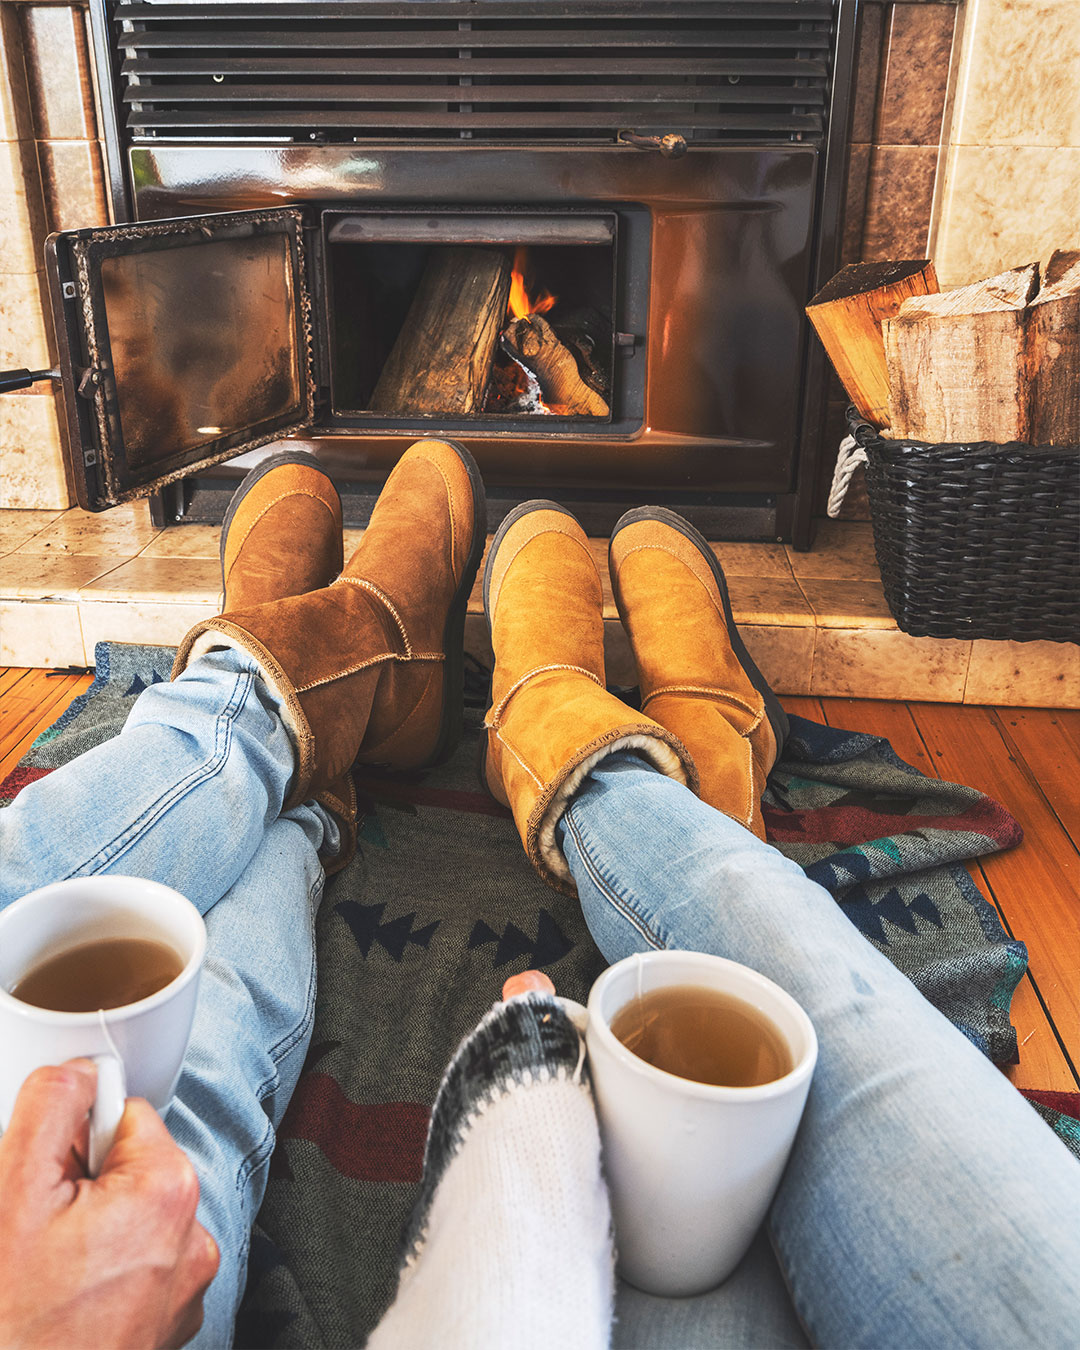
47 1122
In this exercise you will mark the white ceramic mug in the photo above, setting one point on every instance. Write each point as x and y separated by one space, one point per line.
691 1168
139 1047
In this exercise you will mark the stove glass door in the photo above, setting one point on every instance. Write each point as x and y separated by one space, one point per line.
183 343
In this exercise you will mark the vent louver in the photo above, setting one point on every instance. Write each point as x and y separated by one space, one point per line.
481 70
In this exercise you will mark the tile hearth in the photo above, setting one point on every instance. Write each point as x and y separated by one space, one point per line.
816 623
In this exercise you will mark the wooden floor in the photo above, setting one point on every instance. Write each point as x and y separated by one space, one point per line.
1028 759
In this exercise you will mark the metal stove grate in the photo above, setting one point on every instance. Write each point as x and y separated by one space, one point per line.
502 71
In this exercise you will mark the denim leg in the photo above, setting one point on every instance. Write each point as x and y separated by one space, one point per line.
925 1203
182 795
252 1027
189 794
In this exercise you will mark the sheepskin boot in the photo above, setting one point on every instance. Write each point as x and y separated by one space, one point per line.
375 659
551 718
697 678
282 532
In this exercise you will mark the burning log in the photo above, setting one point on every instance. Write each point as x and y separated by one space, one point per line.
532 342
441 360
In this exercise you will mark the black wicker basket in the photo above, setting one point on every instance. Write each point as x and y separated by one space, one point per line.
976 541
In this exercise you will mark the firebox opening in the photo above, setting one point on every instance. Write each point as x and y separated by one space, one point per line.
471 326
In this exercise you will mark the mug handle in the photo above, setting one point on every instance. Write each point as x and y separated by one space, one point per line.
107 1110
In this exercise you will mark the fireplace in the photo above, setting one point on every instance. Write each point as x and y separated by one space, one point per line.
659 181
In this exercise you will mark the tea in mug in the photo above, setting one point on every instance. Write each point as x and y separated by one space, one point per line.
704 1035
105 973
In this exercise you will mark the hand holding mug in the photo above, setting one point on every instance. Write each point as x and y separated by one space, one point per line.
120 1259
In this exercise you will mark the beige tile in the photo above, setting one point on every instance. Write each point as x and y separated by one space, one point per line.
847 604
351 540
185 541
1005 206
1020 72
32 471
769 601
25 337
162 580
843 551
868 663
73 183
1024 674
32 576
785 656
120 532
42 634
58 71
161 625
22 209
16 121
753 560
16 527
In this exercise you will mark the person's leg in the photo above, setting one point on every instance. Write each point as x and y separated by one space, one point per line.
252 1027
182 796
925 1204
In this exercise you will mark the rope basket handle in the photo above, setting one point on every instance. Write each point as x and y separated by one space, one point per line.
848 458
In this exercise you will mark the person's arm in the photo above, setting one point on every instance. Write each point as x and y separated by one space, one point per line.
119 1261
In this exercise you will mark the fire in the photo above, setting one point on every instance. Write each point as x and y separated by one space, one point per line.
521 303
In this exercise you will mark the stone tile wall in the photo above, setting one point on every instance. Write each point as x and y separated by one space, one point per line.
1011 185
50 179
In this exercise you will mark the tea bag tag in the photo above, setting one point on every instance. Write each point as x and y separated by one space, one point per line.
108 1108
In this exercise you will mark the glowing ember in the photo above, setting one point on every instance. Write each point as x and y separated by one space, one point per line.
521 303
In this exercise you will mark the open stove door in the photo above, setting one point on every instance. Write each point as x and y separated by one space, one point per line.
182 343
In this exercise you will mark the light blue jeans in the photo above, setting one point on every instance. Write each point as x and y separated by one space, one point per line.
190 794
925 1203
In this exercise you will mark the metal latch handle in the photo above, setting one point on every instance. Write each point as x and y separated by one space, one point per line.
10 380
671 146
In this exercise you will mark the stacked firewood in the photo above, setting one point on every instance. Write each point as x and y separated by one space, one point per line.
998 360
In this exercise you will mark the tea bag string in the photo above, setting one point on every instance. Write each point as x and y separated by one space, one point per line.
108 1036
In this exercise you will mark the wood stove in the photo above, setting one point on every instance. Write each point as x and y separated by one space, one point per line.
284 174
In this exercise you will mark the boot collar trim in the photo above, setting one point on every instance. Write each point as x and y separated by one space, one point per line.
494 716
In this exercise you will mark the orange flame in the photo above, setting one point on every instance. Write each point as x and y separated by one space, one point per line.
521 303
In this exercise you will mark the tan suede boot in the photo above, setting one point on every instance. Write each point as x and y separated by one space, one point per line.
697 678
551 718
333 655
282 536
282 532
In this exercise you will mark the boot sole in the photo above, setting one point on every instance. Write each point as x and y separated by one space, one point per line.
453 716
777 717
253 476
525 509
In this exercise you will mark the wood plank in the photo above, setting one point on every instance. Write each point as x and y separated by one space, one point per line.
796 706
9 677
1042 1063
1040 737
40 701
1037 885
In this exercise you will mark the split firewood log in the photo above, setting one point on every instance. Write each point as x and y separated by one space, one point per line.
441 360
1054 352
847 315
958 361
532 342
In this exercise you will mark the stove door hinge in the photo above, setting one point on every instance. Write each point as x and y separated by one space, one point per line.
627 343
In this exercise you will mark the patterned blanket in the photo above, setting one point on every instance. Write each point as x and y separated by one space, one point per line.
417 935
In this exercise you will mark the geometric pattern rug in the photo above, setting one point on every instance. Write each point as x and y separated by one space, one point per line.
418 933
